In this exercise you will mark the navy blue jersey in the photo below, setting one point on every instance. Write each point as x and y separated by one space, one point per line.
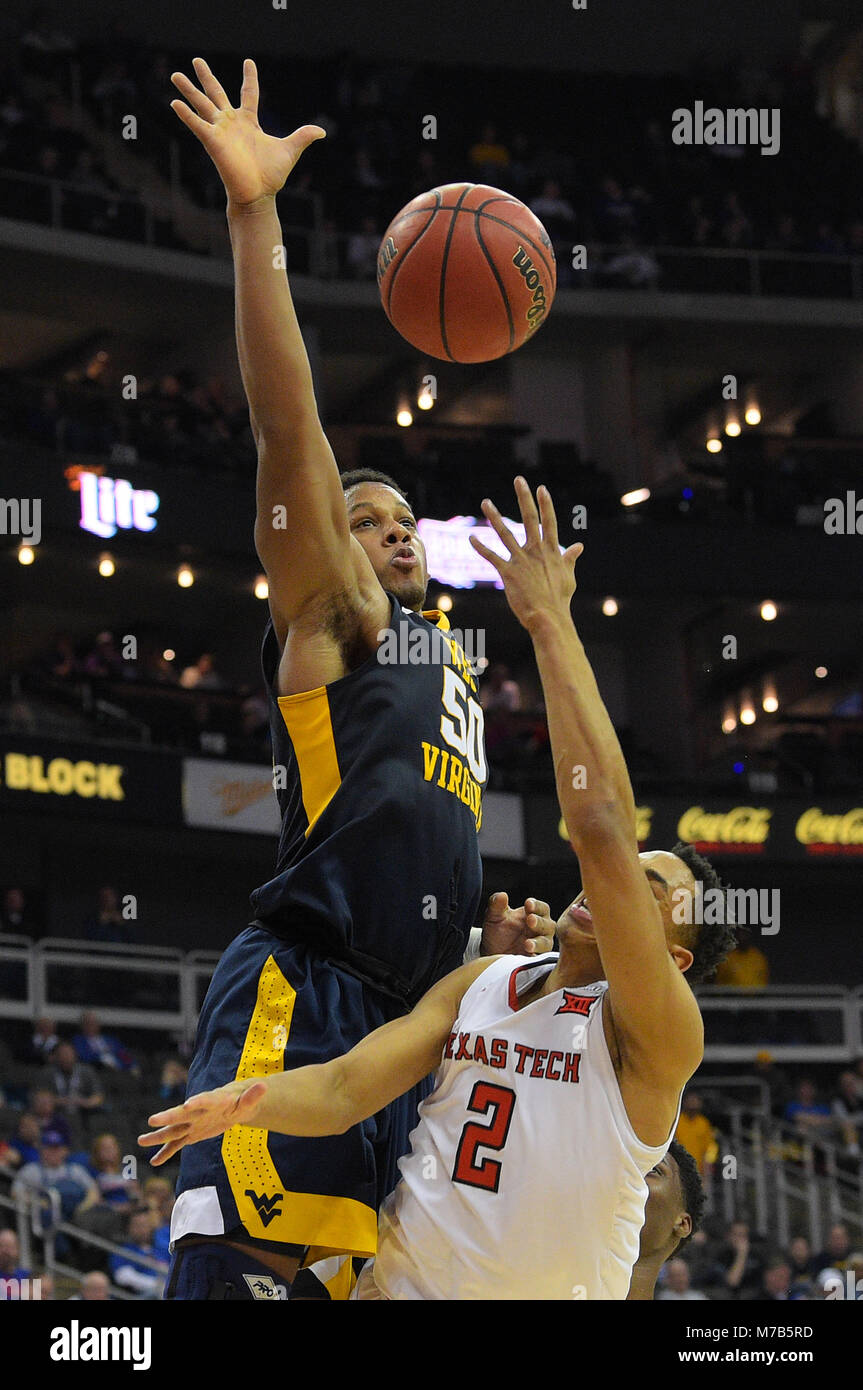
379 778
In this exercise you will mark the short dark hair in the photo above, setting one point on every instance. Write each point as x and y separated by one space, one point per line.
354 476
713 940
694 1196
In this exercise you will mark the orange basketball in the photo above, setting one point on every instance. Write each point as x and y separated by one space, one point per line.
466 272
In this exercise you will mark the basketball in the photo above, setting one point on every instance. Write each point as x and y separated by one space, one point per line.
466 272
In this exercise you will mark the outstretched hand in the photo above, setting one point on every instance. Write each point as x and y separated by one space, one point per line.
252 165
517 931
537 579
201 1117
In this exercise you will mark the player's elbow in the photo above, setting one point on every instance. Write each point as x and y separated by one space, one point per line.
342 1108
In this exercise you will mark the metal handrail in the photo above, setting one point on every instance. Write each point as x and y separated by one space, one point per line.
754 259
114 948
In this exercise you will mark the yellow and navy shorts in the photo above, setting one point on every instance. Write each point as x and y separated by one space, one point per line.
273 1005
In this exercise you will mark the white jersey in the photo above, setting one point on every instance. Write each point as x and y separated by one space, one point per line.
525 1179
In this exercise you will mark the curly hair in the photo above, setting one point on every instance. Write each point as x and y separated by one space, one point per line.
711 941
694 1196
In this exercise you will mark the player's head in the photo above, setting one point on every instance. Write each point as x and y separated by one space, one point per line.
381 518
674 1207
677 879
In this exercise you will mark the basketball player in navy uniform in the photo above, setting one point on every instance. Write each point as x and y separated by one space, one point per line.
561 1076
379 768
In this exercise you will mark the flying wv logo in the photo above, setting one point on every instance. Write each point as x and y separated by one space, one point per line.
266 1207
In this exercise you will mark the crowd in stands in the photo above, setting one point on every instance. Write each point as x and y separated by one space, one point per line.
594 158
728 1260
70 1111
173 419
63 1130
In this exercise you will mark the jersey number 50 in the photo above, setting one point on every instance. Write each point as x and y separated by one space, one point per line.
485 1098
464 731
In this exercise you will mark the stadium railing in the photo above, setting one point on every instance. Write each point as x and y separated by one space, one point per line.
38 1221
316 250
162 988
784 1182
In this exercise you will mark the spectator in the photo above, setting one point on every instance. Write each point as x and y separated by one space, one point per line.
172 1086
554 212
800 1259
127 1271
100 1049
522 170
735 227
697 225
107 922
76 1188
24 1144
159 1199
255 717
774 1078
739 1269
362 252
202 676
632 266
45 1105
10 1261
94 1287
696 1133
499 691
489 157
745 968
363 174
837 1252
677 1284
15 915
775 1286
809 1116
115 1189
44 1040
78 1091
105 661
615 213
847 1108
427 173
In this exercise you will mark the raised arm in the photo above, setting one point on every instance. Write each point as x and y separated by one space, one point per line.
301 531
331 1097
655 1013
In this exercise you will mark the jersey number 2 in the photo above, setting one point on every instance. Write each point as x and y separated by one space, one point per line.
500 1101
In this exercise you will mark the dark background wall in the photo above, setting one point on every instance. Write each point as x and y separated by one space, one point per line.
193 889
620 36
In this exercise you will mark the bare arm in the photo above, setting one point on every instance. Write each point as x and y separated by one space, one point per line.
331 1097
301 531
653 1006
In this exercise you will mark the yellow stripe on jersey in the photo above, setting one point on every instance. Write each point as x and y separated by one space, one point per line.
268 1212
310 727
245 1153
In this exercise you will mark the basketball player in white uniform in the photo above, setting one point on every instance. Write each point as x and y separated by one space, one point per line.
560 1083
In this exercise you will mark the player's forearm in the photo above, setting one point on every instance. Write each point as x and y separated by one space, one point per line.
273 360
591 774
309 1101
